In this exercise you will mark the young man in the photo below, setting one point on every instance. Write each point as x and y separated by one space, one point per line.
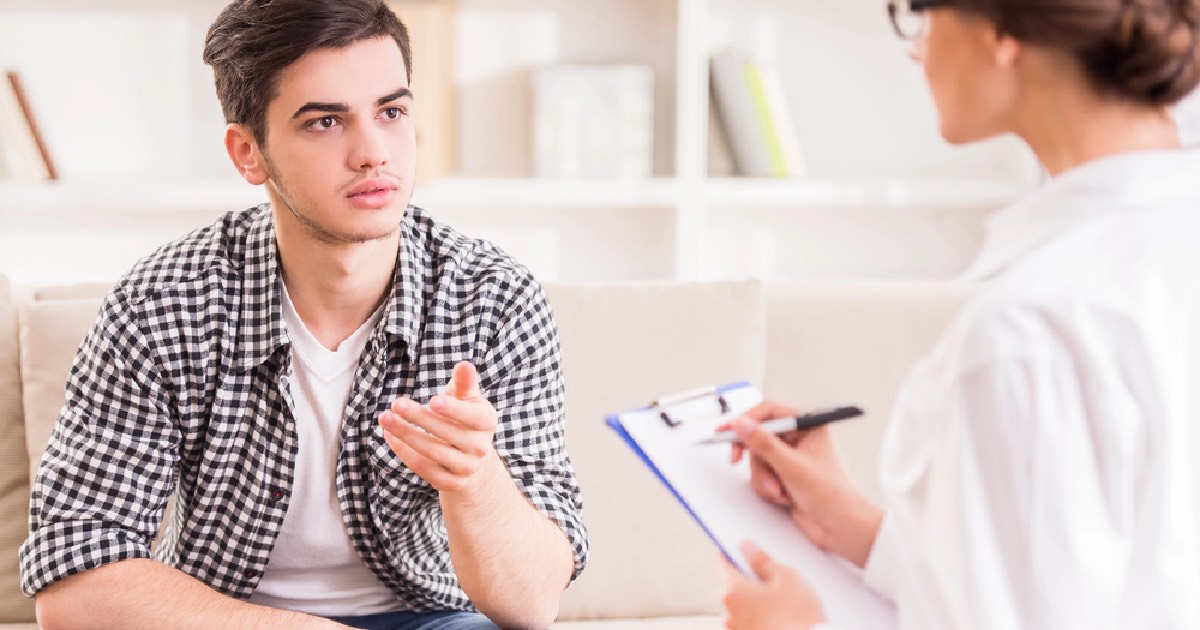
267 372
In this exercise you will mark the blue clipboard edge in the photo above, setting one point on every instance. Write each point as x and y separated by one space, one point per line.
614 422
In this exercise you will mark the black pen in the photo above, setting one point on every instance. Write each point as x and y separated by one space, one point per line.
785 425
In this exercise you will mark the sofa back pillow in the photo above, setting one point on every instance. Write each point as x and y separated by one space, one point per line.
51 331
624 345
852 343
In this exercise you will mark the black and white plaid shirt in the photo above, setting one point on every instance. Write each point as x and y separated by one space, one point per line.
181 387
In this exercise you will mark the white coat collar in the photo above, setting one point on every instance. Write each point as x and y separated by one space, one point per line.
1118 183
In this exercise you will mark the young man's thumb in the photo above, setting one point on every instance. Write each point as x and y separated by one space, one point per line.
464 381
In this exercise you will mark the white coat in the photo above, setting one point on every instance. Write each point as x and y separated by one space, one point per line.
1042 467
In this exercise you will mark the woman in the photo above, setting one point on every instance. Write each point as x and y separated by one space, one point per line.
1042 467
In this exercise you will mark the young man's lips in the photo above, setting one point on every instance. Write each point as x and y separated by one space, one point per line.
373 194
372 186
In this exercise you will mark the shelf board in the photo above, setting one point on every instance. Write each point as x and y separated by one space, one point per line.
800 193
99 199
546 194
897 193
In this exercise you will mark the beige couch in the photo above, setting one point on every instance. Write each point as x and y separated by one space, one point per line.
623 345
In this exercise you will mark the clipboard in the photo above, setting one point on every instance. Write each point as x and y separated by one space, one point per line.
718 497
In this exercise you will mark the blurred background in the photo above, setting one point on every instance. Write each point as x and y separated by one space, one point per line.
596 140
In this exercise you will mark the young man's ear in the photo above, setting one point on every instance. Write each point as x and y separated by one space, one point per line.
245 154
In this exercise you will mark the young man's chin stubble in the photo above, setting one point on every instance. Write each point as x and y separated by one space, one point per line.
317 231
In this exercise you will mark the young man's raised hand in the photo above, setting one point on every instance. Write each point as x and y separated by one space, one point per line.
448 441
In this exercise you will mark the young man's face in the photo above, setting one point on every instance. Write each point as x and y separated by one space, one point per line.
340 142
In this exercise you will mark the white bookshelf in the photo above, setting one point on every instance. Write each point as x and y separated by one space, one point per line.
74 200
137 130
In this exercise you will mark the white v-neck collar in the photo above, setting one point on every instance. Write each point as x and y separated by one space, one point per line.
325 363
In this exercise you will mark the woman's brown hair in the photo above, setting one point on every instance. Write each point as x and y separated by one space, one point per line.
1142 50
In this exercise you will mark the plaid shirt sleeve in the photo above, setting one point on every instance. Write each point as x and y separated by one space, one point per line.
106 475
522 377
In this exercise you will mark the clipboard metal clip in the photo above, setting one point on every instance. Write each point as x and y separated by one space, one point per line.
668 405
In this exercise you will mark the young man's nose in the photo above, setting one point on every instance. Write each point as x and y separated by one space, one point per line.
369 149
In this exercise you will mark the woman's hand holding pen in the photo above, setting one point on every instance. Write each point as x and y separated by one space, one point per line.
801 471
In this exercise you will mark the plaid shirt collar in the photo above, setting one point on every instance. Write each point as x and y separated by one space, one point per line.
403 312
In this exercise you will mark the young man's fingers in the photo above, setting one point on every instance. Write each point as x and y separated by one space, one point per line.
447 444
428 446
417 462
472 414
424 467
447 429
407 411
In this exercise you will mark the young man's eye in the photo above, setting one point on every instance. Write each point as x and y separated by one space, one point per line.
392 113
324 122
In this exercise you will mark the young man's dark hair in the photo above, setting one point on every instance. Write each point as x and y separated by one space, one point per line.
251 41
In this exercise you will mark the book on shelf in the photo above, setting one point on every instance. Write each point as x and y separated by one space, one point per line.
593 121
23 151
720 156
753 110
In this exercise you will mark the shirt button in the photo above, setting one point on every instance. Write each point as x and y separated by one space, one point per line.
251 573
277 494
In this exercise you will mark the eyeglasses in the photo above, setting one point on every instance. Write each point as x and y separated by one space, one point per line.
906 15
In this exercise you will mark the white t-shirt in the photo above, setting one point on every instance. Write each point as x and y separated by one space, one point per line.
1042 466
313 567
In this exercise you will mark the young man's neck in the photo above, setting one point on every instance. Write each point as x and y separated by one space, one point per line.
335 288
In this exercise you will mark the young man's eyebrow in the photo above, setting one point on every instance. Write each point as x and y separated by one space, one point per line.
328 108
401 93
341 108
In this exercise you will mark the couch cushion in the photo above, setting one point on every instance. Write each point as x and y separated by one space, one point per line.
839 343
623 346
14 466
51 332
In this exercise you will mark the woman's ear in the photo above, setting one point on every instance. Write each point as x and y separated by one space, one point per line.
1006 50
244 152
